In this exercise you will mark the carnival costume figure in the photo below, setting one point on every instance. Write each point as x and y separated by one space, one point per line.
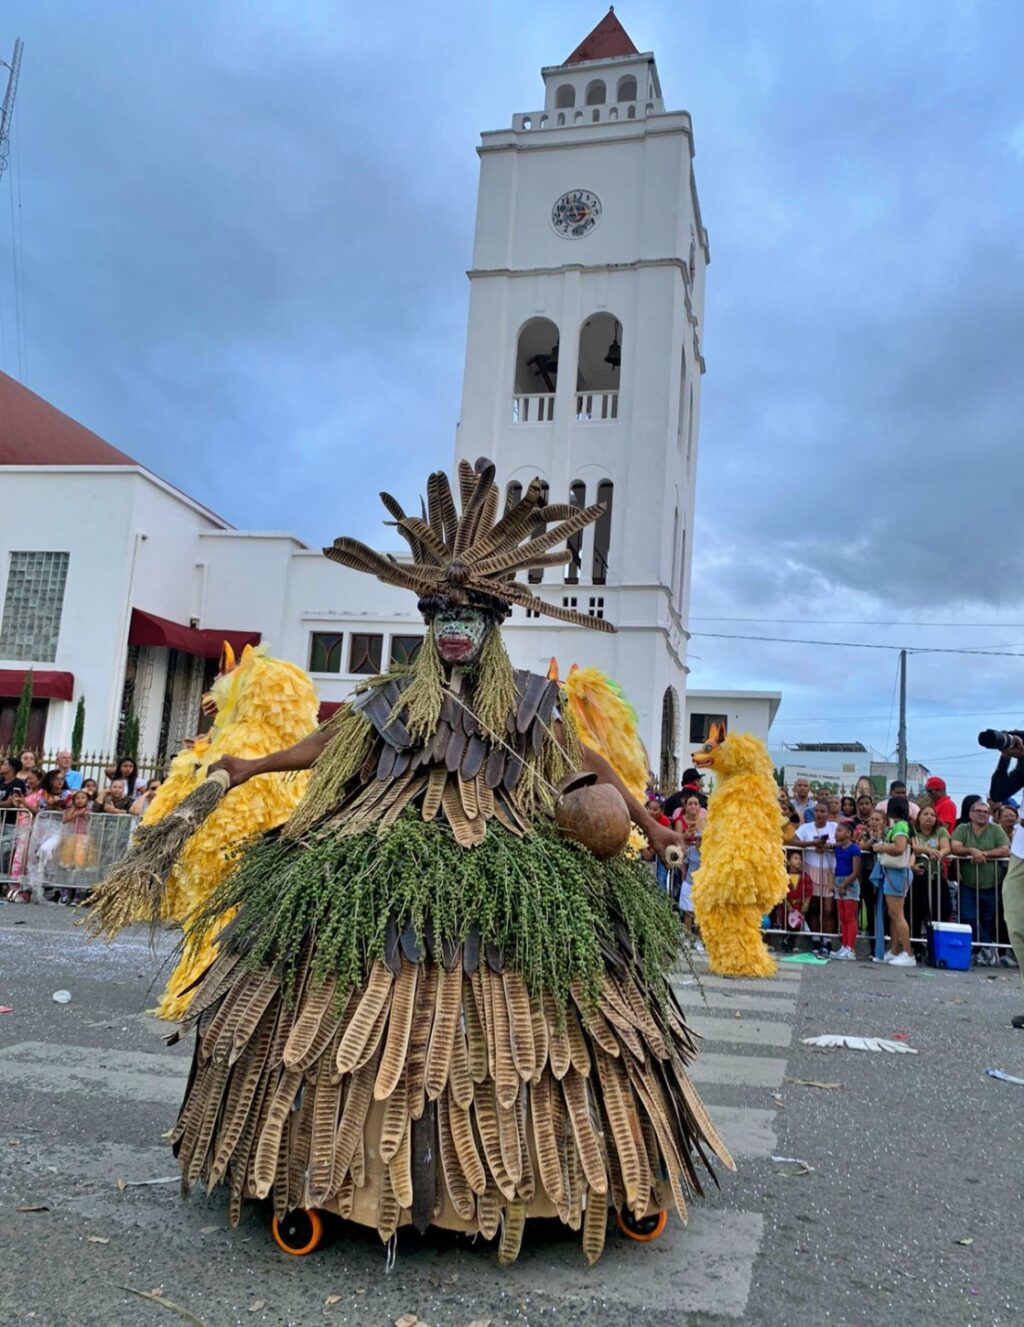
258 704
435 1005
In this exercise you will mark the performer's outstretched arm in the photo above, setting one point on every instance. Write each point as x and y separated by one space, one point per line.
303 755
660 837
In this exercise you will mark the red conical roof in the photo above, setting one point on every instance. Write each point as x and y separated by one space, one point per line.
608 40
33 432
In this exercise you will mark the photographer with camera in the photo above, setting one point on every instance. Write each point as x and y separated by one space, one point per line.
1006 782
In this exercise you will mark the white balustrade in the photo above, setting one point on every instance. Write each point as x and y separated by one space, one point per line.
533 408
566 117
597 407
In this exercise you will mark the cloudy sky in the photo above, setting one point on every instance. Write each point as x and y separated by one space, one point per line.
245 228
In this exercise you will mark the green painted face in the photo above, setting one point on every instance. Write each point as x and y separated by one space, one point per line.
459 634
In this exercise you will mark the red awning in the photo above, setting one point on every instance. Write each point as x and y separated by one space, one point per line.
46 685
327 708
204 642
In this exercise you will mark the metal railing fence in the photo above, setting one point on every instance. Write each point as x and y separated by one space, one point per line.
43 852
94 764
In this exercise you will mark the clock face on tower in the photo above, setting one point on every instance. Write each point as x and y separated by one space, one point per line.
576 214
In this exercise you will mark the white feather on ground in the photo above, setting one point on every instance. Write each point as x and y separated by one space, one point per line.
861 1043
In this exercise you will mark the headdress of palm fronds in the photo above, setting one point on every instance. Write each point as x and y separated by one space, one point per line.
472 559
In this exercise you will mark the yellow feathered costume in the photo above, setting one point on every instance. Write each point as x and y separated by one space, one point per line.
262 705
607 724
742 874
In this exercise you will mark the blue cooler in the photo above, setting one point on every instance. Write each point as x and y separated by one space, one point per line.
949 945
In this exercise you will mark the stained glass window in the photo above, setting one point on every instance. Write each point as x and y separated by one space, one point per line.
325 652
364 653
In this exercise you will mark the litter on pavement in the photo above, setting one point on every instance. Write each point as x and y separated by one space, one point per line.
62 997
1004 1078
861 1043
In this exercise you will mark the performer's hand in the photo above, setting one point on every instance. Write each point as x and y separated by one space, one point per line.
236 768
661 838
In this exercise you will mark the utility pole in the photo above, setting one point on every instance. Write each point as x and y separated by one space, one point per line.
901 739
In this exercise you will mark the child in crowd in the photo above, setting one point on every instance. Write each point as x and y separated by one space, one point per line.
790 915
76 849
688 823
847 890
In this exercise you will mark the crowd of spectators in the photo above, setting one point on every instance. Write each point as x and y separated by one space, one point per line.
927 860
26 790
853 859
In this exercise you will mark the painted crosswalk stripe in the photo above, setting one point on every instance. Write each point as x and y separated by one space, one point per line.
738 1070
36 1066
747 986
693 996
752 1031
748 1132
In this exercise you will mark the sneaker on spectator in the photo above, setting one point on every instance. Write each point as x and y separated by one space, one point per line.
904 961
1007 961
846 953
982 959
1017 1021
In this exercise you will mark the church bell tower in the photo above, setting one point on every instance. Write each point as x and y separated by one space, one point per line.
583 360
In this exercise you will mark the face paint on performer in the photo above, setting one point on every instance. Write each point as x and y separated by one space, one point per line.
459 634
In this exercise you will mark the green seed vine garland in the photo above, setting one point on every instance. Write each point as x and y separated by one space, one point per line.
543 899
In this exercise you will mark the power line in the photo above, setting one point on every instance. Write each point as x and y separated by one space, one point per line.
917 718
993 652
852 622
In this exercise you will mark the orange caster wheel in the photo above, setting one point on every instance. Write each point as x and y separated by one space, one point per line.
300 1232
644 1230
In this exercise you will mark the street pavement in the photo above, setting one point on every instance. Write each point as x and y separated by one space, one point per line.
903 1204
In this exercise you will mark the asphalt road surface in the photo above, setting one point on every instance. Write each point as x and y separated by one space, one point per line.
904 1206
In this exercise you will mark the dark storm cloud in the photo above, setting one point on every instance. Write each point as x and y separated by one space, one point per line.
247 226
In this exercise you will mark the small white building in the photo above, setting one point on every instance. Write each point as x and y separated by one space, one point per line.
738 711
583 365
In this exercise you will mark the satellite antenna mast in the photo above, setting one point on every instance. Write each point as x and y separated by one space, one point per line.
7 106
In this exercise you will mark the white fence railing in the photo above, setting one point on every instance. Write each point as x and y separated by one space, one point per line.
533 408
42 851
595 407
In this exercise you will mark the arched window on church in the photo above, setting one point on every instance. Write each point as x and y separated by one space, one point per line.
626 90
596 93
675 549
565 97
603 534
536 373
578 499
682 569
598 369
668 771
536 575
681 421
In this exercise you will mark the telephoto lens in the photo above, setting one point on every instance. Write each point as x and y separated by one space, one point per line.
995 740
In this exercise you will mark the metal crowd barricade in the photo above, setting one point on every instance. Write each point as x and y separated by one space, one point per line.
72 855
933 897
15 832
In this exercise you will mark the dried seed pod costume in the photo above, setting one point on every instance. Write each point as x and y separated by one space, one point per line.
432 1006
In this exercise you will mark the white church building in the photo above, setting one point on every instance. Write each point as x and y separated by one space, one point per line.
583 366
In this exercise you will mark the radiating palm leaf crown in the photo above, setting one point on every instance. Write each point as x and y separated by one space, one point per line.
472 559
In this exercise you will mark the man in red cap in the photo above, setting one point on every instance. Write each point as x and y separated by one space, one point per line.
943 804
